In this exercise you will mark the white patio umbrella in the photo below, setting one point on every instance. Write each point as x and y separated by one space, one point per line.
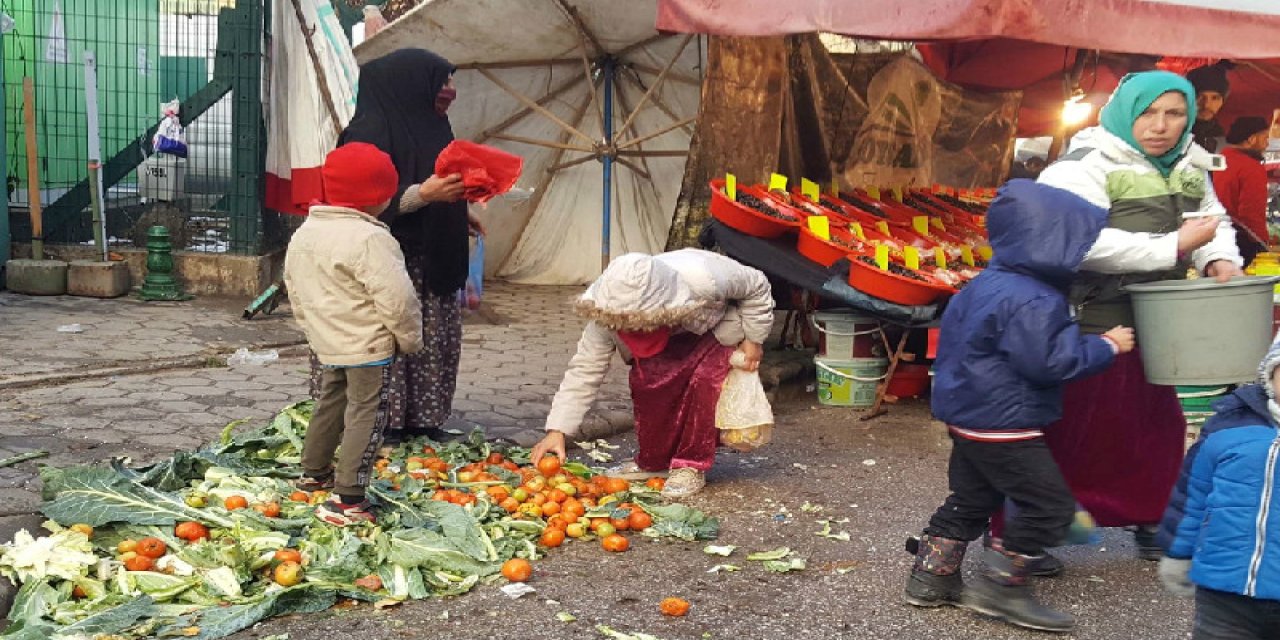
600 105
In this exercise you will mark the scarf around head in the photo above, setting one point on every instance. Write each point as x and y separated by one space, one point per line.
1136 92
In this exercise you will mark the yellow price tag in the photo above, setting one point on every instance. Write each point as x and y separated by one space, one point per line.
820 226
897 194
985 252
883 227
809 189
874 192
966 255
911 256
936 223
835 187
777 182
731 186
882 256
920 224
940 257
856 228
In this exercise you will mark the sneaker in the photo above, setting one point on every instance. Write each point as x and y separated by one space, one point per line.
323 482
1144 537
340 514
629 470
683 482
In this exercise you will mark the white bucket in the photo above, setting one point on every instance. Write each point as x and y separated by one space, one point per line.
846 335
849 382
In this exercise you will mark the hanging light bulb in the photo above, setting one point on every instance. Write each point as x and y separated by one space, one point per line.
1075 111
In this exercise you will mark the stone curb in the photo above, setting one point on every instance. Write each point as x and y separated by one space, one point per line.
197 361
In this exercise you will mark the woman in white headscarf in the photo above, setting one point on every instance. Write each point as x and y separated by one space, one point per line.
676 318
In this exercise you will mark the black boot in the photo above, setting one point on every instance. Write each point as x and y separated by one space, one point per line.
1044 566
1002 591
1144 537
935 577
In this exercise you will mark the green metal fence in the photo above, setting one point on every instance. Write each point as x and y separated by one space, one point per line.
208 54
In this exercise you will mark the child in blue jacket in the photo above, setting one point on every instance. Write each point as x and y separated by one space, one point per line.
1221 530
1008 345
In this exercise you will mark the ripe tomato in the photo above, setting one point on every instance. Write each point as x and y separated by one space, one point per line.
299 496
549 465
596 523
620 524
616 485
510 466
538 499
656 483
674 606
552 537
494 458
268 509
79 593
83 528
557 521
639 520
509 504
535 485
429 450
288 555
287 574
556 495
371 582
615 543
235 502
517 570
191 531
550 508
152 547
573 509
599 480
139 563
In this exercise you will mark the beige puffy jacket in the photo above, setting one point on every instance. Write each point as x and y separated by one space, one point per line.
697 290
349 288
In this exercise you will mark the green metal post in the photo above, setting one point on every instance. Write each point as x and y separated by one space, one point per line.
5 239
248 153
159 283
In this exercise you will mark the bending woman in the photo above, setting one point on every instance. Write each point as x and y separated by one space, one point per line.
675 318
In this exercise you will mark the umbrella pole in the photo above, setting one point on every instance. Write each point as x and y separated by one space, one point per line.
608 73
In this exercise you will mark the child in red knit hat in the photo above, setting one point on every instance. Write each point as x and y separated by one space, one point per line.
351 294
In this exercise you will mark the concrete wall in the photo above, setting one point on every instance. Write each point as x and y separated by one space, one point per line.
201 273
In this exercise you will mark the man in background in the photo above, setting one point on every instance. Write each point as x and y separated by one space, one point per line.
1242 186
1212 88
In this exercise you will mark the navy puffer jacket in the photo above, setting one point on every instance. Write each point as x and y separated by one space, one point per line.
1008 342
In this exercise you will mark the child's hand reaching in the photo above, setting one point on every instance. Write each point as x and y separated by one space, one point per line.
1121 337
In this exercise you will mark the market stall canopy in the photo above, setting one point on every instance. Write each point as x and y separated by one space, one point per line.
1186 28
591 96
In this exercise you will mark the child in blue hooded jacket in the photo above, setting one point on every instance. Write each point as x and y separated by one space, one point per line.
1008 345
1221 530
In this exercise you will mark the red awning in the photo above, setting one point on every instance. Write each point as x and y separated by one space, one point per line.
1232 29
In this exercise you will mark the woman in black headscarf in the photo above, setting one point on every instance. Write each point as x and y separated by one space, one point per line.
401 108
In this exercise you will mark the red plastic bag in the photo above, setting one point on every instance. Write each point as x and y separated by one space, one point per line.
486 171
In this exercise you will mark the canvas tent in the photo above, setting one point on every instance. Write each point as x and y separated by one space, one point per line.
598 103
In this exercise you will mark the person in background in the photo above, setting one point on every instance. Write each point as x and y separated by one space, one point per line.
1121 439
1008 345
402 108
1211 87
676 319
353 298
1242 186
1219 532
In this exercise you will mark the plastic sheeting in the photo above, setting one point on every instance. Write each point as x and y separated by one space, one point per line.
1188 28
553 235
300 128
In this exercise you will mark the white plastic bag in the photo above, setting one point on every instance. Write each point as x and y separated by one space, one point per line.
743 414
170 137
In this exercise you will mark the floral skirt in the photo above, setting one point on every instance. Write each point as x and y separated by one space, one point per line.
421 387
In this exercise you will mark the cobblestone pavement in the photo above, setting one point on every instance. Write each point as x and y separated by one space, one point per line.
514 354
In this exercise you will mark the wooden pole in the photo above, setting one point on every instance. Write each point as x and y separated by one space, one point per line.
645 138
534 105
541 143
655 99
657 83
520 64
319 69
33 168
519 115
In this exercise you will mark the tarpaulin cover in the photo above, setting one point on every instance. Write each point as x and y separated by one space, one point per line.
486 172
779 259
1188 28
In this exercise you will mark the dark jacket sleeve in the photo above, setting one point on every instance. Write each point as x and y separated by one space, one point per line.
1045 346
